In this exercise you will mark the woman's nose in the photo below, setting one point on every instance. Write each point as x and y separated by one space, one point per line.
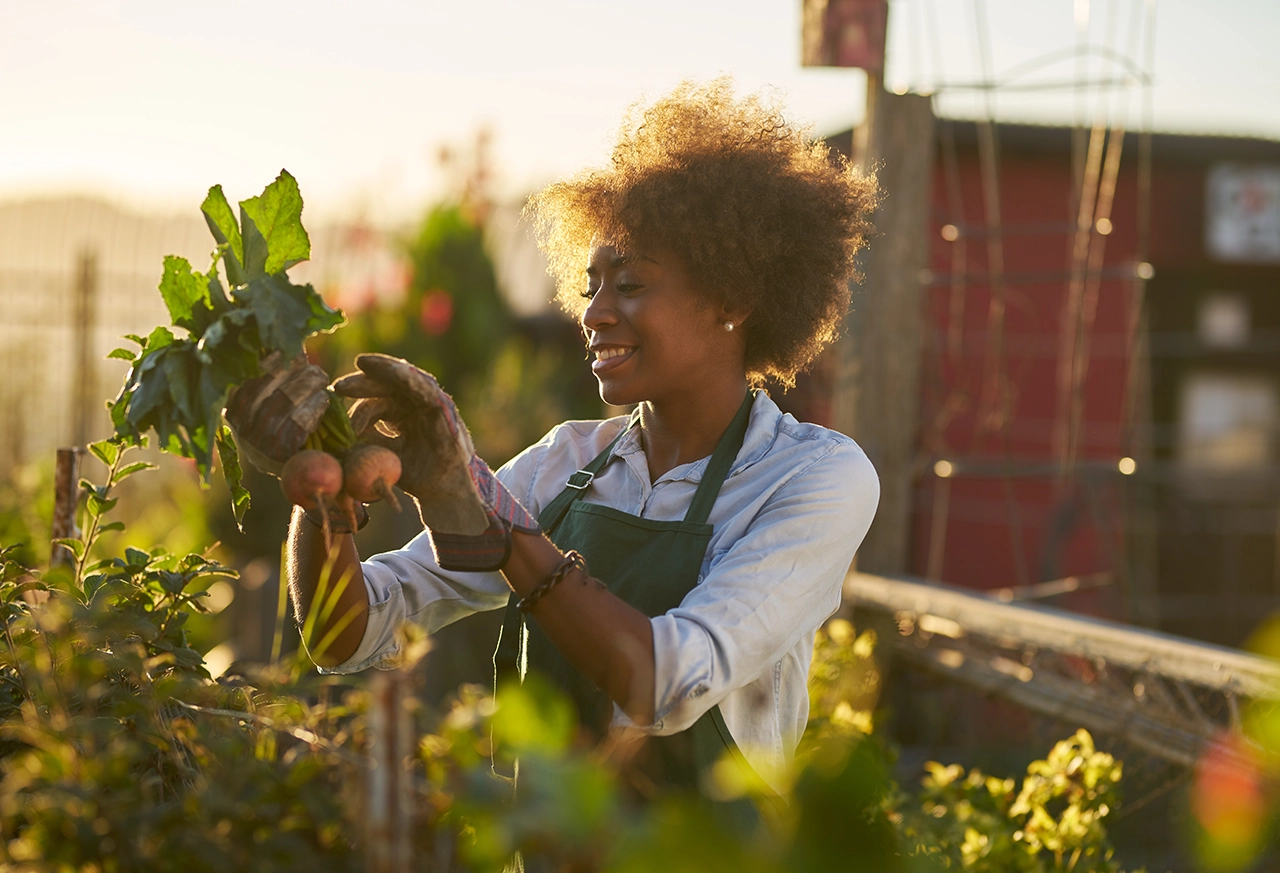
599 312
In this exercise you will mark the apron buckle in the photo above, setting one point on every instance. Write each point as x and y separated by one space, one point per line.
580 480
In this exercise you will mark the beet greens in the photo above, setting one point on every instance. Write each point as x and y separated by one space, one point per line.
178 384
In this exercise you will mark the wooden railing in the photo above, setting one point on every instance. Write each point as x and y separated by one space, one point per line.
1164 694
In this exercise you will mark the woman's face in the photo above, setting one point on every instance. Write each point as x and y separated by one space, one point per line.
652 337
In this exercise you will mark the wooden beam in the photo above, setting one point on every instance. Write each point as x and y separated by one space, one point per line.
1015 625
877 371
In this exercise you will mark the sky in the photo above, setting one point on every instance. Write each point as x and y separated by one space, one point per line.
149 102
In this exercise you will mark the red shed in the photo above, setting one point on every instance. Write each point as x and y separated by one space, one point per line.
1100 390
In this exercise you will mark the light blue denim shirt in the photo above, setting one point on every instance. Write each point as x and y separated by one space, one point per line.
798 501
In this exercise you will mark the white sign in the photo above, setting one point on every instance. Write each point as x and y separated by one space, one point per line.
1243 204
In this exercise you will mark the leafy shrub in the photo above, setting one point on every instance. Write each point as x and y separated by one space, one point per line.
110 761
1054 823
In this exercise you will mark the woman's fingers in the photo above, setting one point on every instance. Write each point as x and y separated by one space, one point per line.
368 411
362 385
400 373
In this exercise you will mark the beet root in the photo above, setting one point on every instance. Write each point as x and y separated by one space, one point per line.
369 472
310 477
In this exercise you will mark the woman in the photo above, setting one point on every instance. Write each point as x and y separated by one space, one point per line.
667 569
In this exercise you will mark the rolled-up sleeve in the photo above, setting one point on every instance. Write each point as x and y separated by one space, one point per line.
776 583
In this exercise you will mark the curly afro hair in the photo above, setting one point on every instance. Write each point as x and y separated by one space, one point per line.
760 215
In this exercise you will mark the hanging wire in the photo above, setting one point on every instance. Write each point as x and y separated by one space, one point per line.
948 366
1135 336
1097 238
996 400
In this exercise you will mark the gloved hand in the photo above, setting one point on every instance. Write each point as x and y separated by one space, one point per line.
273 415
466 510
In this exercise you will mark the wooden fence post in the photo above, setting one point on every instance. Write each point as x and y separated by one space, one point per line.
84 393
876 395
66 478
390 792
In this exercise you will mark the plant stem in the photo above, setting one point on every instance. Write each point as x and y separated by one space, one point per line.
91 535
17 662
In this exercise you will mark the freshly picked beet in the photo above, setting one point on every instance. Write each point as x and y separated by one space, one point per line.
369 472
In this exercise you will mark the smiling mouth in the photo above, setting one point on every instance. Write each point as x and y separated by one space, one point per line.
609 357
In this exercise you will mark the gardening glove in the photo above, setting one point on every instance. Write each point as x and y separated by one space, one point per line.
272 415
468 513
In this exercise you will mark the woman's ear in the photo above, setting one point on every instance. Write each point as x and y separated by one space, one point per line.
733 312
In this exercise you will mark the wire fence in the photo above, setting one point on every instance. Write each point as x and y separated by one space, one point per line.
75 276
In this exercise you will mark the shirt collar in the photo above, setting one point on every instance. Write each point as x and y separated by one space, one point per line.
762 430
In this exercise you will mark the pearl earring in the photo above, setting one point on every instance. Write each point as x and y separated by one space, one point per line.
728 325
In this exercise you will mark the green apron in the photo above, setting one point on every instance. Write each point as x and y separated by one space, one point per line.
651 565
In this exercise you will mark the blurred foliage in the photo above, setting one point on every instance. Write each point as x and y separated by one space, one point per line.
1234 802
105 762
26 512
119 752
1054 824
168 509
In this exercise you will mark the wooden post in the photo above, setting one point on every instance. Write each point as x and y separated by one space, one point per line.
66 478
390 794
877 382
84 396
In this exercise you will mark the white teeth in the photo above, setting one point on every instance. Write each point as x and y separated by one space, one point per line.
606 354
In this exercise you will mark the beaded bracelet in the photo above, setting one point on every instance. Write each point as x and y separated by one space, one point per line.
571 560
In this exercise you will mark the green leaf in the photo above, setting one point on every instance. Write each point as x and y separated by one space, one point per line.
282 319
287 313
99 506
137 339
122 354
159 338
274 238
130 469
255 249
222 224
151 391
106 451
115 525
201 442
12 594
137 557
75 545
173 583
324 318
179 372
221 347
217 296
186 294
229 457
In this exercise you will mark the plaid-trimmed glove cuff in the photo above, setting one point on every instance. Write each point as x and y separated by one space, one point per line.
501 502
478 553
489 550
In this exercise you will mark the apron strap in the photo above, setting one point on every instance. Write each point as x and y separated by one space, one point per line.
708 489
721 460
578 483
507 656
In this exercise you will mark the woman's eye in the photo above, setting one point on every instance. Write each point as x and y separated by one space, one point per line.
590 291
628 287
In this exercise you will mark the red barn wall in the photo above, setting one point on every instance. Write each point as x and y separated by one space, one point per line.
1005 518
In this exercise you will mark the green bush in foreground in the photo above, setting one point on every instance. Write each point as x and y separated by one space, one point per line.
119 753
